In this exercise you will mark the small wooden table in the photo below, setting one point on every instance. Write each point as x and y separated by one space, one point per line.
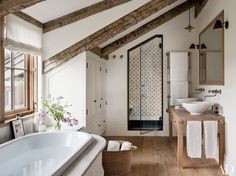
179 117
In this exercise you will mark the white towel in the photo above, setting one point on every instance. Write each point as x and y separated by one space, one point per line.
211 139
113 146
178 89
194 139
126 146
178 66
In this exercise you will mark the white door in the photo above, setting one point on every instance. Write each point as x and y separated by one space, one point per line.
103 87
90 111
97 87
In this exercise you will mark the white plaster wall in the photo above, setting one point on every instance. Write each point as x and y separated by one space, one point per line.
175 39
68 35
228 97
69 81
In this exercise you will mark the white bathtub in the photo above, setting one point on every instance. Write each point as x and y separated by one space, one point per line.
42 154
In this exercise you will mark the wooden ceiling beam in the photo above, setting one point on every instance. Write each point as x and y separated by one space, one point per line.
12 6
149 26
81 14
29 19
199 7
97 50
106 33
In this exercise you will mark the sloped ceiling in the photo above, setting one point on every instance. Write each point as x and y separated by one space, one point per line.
143 22
52 9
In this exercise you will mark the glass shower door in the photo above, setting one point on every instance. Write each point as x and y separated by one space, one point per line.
146 86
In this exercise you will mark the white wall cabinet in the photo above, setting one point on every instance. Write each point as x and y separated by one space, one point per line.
81 81
95 93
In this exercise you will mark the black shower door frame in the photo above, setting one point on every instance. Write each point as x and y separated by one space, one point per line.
140 125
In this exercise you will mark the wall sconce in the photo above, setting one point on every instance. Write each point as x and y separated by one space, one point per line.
193 46
219 24
203 46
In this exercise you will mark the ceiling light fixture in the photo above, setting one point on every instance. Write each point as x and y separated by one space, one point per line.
189 28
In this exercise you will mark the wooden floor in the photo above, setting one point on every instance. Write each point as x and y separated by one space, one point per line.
156 156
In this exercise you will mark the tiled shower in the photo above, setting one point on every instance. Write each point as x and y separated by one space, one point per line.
145 85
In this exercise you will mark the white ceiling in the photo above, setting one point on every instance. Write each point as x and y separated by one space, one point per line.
122 34
52 9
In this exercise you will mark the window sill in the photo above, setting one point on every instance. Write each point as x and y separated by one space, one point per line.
26 115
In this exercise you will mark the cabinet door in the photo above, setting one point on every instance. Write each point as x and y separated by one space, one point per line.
103 87
90 88
97 86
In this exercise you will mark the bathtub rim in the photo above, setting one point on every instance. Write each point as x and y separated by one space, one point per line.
67 161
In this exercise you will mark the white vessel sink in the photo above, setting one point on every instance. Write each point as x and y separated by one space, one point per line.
180 101
196 108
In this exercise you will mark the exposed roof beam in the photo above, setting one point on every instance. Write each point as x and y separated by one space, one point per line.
29 19
97 50
12 6
81 14
106 33
199 7
149 26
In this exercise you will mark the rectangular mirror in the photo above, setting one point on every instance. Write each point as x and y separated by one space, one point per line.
211 53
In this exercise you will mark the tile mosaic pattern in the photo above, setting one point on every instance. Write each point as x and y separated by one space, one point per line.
145 81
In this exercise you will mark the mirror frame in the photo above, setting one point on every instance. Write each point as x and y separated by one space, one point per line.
220 15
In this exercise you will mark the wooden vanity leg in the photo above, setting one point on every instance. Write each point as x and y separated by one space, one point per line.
170 127
222 143
180 146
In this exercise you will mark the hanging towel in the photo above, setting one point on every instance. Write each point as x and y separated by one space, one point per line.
126 146
211 139
113 146
178 89
194 139
178 66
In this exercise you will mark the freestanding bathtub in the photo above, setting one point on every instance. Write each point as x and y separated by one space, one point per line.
42 154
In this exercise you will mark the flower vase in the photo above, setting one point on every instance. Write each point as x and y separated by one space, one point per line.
58 125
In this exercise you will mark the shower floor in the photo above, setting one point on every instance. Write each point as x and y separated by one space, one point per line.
147 125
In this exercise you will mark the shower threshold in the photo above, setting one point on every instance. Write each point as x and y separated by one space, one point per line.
147 125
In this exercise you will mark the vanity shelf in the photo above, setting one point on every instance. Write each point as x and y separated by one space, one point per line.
179 117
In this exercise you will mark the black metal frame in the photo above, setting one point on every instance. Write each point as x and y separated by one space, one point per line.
160 122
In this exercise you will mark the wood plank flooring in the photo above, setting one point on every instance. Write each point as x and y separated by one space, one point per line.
156 156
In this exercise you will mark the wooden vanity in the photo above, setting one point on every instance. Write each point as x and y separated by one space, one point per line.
179 117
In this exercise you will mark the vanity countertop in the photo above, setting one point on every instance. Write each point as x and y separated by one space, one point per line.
182 115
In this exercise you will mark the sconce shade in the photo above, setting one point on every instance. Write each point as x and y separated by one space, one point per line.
203 46
192 46
218 25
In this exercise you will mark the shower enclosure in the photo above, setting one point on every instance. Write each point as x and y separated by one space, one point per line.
145 85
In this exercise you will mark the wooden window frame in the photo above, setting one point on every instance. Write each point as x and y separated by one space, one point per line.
30 91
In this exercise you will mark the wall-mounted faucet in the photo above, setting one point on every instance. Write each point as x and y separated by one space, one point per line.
214 92
199 90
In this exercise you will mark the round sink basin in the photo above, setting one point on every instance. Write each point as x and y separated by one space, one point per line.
196 108
180 101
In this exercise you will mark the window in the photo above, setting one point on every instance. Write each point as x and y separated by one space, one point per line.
20 83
